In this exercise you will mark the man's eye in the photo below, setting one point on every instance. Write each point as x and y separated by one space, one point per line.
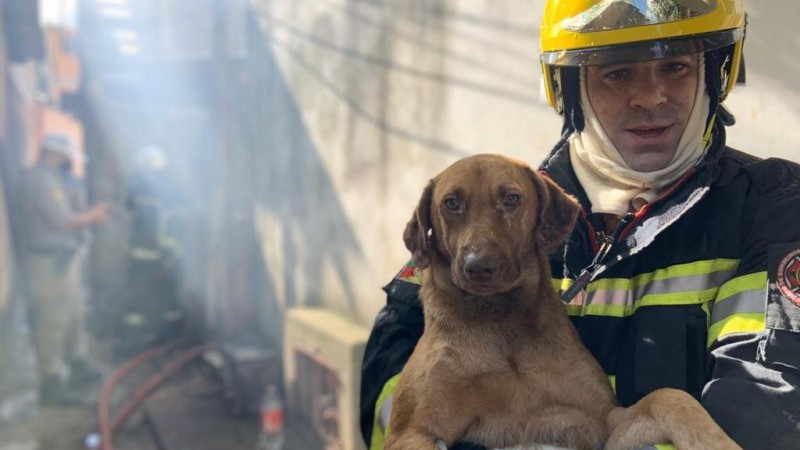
452 204
674 67
511 199
617 74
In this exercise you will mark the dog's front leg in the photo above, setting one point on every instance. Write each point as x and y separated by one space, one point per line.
411 441
567 427
427 433
666 415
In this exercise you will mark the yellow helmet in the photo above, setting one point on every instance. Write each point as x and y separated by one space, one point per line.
578 33
151 158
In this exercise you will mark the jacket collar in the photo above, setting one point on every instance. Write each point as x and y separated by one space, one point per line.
655 217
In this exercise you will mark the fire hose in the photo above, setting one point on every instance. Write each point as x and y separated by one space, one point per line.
107 429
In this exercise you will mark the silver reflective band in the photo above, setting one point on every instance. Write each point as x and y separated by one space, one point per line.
386 412
745 302
618 14
642 51
686 289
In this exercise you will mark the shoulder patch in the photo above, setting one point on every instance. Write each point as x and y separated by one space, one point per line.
783 301
410 274
787 276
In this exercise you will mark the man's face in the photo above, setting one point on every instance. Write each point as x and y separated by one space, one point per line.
643 107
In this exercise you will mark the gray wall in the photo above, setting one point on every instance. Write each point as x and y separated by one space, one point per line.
373 97
768 106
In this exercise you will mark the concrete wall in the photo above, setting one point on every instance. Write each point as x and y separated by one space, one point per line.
768 106
377 96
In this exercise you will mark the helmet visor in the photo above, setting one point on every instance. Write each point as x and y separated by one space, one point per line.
643 51
617 14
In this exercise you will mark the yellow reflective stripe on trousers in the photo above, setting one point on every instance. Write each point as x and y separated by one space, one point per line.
378 430
681 284
739 307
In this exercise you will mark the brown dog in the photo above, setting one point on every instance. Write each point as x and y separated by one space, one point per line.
499 363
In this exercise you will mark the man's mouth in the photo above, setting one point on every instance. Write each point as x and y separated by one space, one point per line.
649 132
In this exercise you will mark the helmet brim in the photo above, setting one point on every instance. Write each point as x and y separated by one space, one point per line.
643 51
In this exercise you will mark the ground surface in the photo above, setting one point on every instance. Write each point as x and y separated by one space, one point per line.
188 411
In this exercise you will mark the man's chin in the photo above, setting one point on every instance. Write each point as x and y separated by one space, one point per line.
649 159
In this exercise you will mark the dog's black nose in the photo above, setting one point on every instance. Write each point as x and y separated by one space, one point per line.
479 267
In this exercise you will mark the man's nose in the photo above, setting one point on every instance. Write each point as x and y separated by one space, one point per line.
649 91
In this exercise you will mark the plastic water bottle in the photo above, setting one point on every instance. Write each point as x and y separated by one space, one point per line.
92 441
271 420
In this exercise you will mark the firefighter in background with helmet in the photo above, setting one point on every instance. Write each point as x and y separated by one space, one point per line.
52 261
682 271
145 200
151 310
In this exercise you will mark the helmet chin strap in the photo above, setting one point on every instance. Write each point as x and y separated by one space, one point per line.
718 65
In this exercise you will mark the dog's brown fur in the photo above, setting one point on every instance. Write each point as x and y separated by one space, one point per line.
499 363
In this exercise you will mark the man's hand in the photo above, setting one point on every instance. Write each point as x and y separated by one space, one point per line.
96 214
99 213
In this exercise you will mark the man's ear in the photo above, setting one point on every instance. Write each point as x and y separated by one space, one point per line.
558 213
415 235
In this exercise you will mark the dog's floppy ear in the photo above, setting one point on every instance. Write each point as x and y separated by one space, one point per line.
558 212
415 235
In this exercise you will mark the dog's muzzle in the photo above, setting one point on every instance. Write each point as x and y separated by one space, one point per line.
483 271
479 267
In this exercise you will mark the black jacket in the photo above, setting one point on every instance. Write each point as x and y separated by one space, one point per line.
699 291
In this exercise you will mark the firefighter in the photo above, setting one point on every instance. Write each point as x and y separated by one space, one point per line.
151 311
53 251
683 270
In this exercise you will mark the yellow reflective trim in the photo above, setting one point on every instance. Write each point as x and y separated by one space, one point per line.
562 284
696 268
706 307
574 310
751 282
712 121
737 323
678 270
666 447
660 299
612 284
679 298
378 433
607 310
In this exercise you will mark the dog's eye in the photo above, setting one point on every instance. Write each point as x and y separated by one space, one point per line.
452 204
511 199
